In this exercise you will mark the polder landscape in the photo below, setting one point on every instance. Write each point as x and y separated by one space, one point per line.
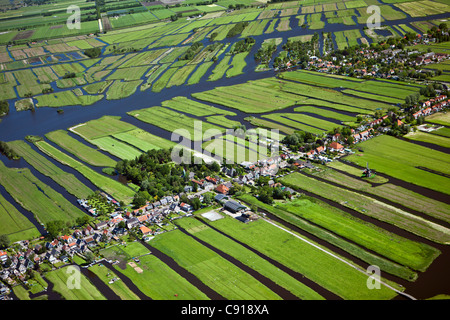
321 147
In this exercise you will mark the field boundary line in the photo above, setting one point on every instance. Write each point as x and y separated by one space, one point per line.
337 257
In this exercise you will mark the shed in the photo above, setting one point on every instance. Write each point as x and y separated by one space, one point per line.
233 206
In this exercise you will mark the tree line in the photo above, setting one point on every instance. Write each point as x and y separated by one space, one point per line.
157 176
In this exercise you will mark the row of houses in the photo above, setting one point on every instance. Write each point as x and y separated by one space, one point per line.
430 57
431 106
18 265
320 151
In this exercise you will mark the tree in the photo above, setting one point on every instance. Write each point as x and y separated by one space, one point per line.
215 166
89 257
81 221
207 198
195 203
139 200
4 241
265 197
93 52
54 228
4 107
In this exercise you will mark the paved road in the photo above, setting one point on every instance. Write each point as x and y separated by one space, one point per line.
340 259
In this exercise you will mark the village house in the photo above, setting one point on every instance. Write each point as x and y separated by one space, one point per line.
116 220
144 230
88 230
185 207
90 242
335 146
101 225
221 188
3 256
133 222
143 218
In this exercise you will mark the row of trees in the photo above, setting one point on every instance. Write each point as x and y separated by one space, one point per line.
243 45
430 89
298 52
265 53
7 151
237 29
4 107
192 51
93 52
158 176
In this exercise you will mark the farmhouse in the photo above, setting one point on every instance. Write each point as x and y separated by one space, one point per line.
221 188
145 231
335 146
233 206
3 256
101 225
133 222
185 207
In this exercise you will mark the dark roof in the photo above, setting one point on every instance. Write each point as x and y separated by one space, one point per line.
233 206
242 218
219 197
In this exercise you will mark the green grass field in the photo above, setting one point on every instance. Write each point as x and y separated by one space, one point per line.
237 65
394 193
216 272
442 118
429 138
252 97
287 119
330 236
15 225
160 282
115 147
67 180
104 126
199 72
33 195
193 107
233 151
324 113
401 160
443 132
303 257
120 90
62 277
79 149
400 250
220 69
375 209
116 189
169 120
389 89
118 287
246 256
66 98
143 140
